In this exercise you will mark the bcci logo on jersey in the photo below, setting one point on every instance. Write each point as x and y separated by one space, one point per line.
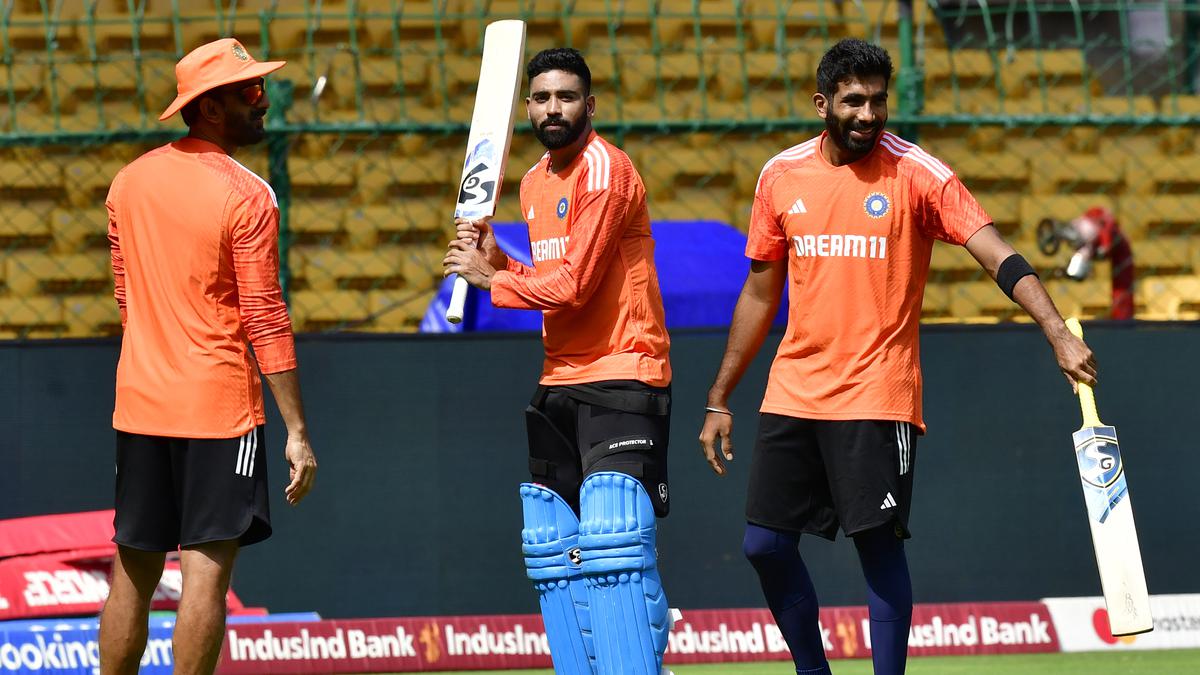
480 176
877 205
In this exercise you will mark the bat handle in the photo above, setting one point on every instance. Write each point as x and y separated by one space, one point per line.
1087 398
458 300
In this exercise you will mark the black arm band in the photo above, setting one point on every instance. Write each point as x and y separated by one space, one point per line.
1013 269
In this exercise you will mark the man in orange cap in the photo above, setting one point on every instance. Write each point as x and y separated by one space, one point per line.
194 238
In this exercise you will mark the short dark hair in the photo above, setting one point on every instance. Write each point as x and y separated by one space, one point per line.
561 58
852 58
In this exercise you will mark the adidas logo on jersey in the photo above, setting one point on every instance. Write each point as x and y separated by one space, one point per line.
839 246
888 503
798 207
529 216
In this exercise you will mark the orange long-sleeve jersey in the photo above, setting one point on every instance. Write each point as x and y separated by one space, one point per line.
194 240
593 273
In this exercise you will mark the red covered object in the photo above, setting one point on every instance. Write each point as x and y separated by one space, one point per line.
59 565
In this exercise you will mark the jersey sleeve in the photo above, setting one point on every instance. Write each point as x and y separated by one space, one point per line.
765 238
596 229
114 247
951 212
254 231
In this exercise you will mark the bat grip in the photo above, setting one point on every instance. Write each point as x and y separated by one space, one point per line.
1087 397
458 300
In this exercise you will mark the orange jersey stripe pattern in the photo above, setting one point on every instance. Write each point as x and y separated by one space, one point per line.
857 239
195 258
593 273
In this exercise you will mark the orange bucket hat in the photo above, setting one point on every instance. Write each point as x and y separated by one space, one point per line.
209 66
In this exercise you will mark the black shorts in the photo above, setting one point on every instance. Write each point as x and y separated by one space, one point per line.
178 492
616 425
810 476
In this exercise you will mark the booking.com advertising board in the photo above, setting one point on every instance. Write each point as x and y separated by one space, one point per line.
304 644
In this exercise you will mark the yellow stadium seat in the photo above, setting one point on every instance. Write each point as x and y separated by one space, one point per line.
31 273
379 175
935 303
87 315
1004 208
1163 174
982 300
87 180
388 76
122 31
543 19
717 22
76 229
327 176
22 226
322 310
748 74
30 178
330 268
1170 297
404 220
1088 299
773 23
988 170
310 219
22 315
625 26
397 311
1165 255
293 29
1140 215
392 24
1075 173
422 265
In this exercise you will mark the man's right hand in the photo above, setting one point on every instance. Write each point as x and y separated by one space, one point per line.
716 440
302 467
480 234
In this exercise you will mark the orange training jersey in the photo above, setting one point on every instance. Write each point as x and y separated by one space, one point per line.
194 238
593 273
858 239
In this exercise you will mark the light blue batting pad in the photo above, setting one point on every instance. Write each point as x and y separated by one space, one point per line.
630 619
549 542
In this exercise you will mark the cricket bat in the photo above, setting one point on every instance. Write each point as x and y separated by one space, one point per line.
1110 515
491 133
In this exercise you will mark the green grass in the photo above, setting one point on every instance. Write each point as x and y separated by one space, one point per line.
1159 662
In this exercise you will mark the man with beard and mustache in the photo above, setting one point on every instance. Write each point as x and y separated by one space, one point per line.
848 220
599 420
195 259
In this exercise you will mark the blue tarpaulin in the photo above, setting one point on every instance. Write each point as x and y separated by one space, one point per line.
701 268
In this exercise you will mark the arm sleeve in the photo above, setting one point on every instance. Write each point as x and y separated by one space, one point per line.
114 246
255 237
951 212
765 238
598 226
519 268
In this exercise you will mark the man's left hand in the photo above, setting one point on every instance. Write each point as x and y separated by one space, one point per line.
468 262
1075 359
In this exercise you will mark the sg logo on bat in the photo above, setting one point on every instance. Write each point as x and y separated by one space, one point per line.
481 173
1100 461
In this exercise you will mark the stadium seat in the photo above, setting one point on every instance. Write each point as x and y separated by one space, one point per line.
397 311
1163 174
407 220
32 273
716 21
948 263
543 22
1088 299
24 315
1170 297
311 220
1060 207
22 226
380 176
322 310
1165 255
392 75
774 24
422 265
626 26
30 178
294 28
1005 210
751 74
87 180
982 301
389 24
75 230
1053 174
86 315
935 303
326 177
1141 215
331 268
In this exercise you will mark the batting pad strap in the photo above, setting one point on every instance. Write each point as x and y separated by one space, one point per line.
630 617
549 542
1013 269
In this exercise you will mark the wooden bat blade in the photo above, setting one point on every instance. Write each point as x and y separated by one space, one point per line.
1114 535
